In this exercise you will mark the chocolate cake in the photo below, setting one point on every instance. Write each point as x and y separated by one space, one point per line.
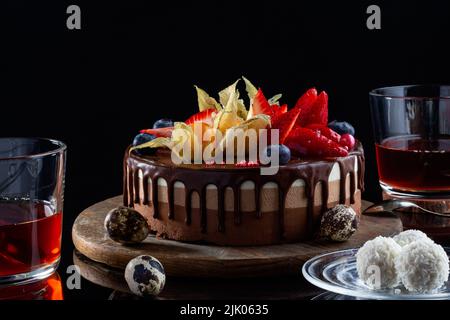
320 165
197 203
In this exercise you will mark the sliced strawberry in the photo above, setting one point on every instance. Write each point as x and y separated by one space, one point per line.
317 113
305 104
278 110
260 105
275 109
325 131
203 116
160 132
283 108
285 122
307 142
307 99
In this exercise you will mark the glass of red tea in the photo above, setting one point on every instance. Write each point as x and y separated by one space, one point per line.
412 136
31 204
412 141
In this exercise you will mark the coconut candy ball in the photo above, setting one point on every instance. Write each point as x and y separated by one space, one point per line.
339 223
145 276
409 236
422 266
126 225
375 263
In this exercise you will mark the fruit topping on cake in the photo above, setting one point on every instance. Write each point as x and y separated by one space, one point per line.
325 131
302 131
348 141
316 112
308 142
206 116
159 132
141 139
163 123
284 122
342 127
283 152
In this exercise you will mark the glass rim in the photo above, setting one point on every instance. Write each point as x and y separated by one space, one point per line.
59 147
377 92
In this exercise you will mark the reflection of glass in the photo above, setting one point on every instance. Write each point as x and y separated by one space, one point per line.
46 289
31 201
412 135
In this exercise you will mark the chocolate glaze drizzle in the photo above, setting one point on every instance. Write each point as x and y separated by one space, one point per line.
226 176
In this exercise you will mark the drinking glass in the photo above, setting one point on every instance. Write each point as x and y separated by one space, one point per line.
31 204
412 142
412 136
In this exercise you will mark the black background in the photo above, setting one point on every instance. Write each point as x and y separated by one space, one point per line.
134 62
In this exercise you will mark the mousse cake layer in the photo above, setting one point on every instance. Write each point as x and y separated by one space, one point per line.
229 205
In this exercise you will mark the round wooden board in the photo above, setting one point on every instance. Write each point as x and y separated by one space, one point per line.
198 260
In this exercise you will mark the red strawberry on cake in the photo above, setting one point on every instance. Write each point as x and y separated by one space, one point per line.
313 110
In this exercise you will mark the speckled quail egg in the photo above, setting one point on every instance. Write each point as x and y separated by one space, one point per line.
339 223
126 225
145 276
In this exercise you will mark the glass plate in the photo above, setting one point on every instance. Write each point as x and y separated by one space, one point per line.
336 272
333 296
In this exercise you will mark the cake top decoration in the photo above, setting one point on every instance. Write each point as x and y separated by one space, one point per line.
267 132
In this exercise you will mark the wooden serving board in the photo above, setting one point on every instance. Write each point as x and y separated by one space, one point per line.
199 260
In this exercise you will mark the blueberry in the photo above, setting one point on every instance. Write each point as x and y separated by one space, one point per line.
163 123
341 127
142 138
283 152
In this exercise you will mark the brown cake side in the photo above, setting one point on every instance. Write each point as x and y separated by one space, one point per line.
198 202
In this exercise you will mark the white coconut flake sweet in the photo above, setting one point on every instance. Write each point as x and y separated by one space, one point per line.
375 263
409 236
422 266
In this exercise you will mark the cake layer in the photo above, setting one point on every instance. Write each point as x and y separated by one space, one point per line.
295 198
238 206
252 230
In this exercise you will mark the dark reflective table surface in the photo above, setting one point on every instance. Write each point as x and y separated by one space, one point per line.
100 282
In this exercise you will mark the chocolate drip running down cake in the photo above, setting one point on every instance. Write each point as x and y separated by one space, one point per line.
320 165
198 202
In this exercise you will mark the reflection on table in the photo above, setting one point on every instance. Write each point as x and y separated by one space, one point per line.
269 288
45 289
